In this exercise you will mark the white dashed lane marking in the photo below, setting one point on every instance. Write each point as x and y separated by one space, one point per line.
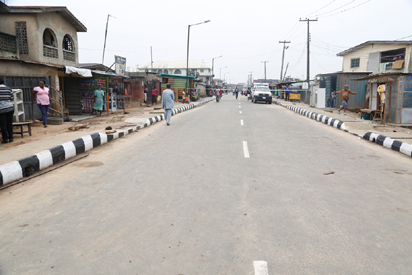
245 150
261 267
241 122
240 112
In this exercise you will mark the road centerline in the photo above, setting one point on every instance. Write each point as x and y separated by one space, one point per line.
241 122
245 150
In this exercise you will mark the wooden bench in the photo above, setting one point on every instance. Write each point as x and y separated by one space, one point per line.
21 125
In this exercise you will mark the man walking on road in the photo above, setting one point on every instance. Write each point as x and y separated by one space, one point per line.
168 102
236 92
217 92
345 98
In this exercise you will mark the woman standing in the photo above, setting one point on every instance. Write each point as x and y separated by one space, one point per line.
98 105
43 100
6 112
154 96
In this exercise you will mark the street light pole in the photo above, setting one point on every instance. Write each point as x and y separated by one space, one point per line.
105 35
187 58
220 74
213 65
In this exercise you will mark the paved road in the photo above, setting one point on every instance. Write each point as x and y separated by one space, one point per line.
184 199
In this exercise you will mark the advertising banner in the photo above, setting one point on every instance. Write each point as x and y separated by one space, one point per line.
120 65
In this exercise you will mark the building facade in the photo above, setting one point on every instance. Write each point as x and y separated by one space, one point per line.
196 68
36 43
378 57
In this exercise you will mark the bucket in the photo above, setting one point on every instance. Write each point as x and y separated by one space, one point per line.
366 116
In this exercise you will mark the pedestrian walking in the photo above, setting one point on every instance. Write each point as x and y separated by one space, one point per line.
287 92
168 102
221 93
6 112
345 98
98 104
43 100
236 92
217 92
183 97
154 96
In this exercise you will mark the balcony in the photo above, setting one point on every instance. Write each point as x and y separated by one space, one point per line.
49 51
69 56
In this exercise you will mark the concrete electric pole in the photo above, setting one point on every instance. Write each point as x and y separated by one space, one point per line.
264 62
308 64
283 58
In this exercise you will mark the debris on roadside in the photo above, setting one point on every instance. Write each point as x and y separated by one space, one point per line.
77 127
110 132
329 173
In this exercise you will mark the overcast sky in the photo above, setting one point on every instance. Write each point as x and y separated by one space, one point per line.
244 32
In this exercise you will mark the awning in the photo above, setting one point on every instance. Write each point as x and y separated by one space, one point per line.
82 72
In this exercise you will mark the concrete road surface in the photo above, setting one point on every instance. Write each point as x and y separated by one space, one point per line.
223 186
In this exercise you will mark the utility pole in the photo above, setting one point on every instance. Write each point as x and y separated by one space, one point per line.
105 35
283 57
251 78
264 62
151 58
308 66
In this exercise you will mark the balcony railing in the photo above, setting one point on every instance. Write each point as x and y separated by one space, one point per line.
68 55
50 51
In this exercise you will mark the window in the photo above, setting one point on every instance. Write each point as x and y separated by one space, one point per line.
393 55
21 35
68 49
354 62
201 70
49 38
178 71
68 43
165 71
159 71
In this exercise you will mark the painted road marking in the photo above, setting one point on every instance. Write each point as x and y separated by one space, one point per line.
240 112
261 267
245 150
241 122
240 106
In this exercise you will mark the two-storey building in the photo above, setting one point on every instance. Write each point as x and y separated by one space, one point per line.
35 42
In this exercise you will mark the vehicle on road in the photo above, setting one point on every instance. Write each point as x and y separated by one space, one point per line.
261 92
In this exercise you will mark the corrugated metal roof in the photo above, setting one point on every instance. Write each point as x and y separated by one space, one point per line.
397 42
109 74
176 65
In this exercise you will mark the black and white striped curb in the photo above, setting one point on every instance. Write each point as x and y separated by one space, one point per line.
16 170
393 144
318 117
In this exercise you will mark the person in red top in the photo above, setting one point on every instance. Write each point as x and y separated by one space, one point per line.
221 93
154 96
345 98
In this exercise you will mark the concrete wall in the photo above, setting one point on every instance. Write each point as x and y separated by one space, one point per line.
36 24
370 58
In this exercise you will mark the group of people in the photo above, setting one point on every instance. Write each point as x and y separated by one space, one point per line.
218 94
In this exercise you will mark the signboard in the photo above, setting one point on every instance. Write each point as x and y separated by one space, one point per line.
120 64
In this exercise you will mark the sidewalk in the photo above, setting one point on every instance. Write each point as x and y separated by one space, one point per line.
45 138
355 124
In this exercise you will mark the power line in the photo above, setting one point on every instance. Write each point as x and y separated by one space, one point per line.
403 37
336 8
347 9
320 8
318 62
